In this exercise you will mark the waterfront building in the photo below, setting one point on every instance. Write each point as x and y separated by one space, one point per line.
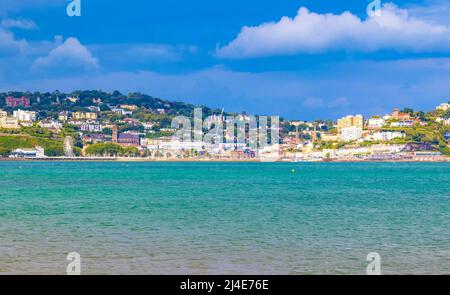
350 121
427 156
25 116
37 152
386 148
3 114
177 145
351 133
14 102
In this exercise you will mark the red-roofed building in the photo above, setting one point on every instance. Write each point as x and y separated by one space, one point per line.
400 116
14 102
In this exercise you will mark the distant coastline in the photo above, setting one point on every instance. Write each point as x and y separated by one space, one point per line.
191 160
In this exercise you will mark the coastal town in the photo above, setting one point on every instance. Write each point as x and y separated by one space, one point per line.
87 125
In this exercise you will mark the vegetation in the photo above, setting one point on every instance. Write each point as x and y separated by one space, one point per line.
158 113
110 150
8 143
51 104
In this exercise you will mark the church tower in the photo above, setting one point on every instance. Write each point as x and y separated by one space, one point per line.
114 134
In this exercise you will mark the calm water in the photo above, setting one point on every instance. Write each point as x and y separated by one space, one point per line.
224 218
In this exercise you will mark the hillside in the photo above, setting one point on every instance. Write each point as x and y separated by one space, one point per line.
50 104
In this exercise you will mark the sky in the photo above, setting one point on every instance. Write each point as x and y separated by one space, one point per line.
300 59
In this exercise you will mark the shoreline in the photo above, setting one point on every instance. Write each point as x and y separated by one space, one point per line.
146 160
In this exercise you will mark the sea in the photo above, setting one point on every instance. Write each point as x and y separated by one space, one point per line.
224 218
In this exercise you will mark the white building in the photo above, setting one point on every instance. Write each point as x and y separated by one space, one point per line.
121 111
351 133
376 123
386 135
37 152
148 125
50 124
91 127
166 145
407 123
443 121
443 106
94 109
25 116
297 123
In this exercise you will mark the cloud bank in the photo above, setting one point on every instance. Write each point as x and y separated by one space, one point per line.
366 87
71 54
9 44
18 23
310 32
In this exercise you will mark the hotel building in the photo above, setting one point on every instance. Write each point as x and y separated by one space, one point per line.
25 116
350 121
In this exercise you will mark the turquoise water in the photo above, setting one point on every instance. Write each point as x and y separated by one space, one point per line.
224 218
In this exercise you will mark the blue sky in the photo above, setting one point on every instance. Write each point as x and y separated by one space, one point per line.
303 59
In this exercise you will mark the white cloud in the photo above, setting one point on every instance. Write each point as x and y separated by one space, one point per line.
367 87
129 53
310 32
437 11
70 54
313 102
18 23
340 102
8 43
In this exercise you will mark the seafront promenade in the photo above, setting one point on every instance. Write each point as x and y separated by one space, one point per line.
200 160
